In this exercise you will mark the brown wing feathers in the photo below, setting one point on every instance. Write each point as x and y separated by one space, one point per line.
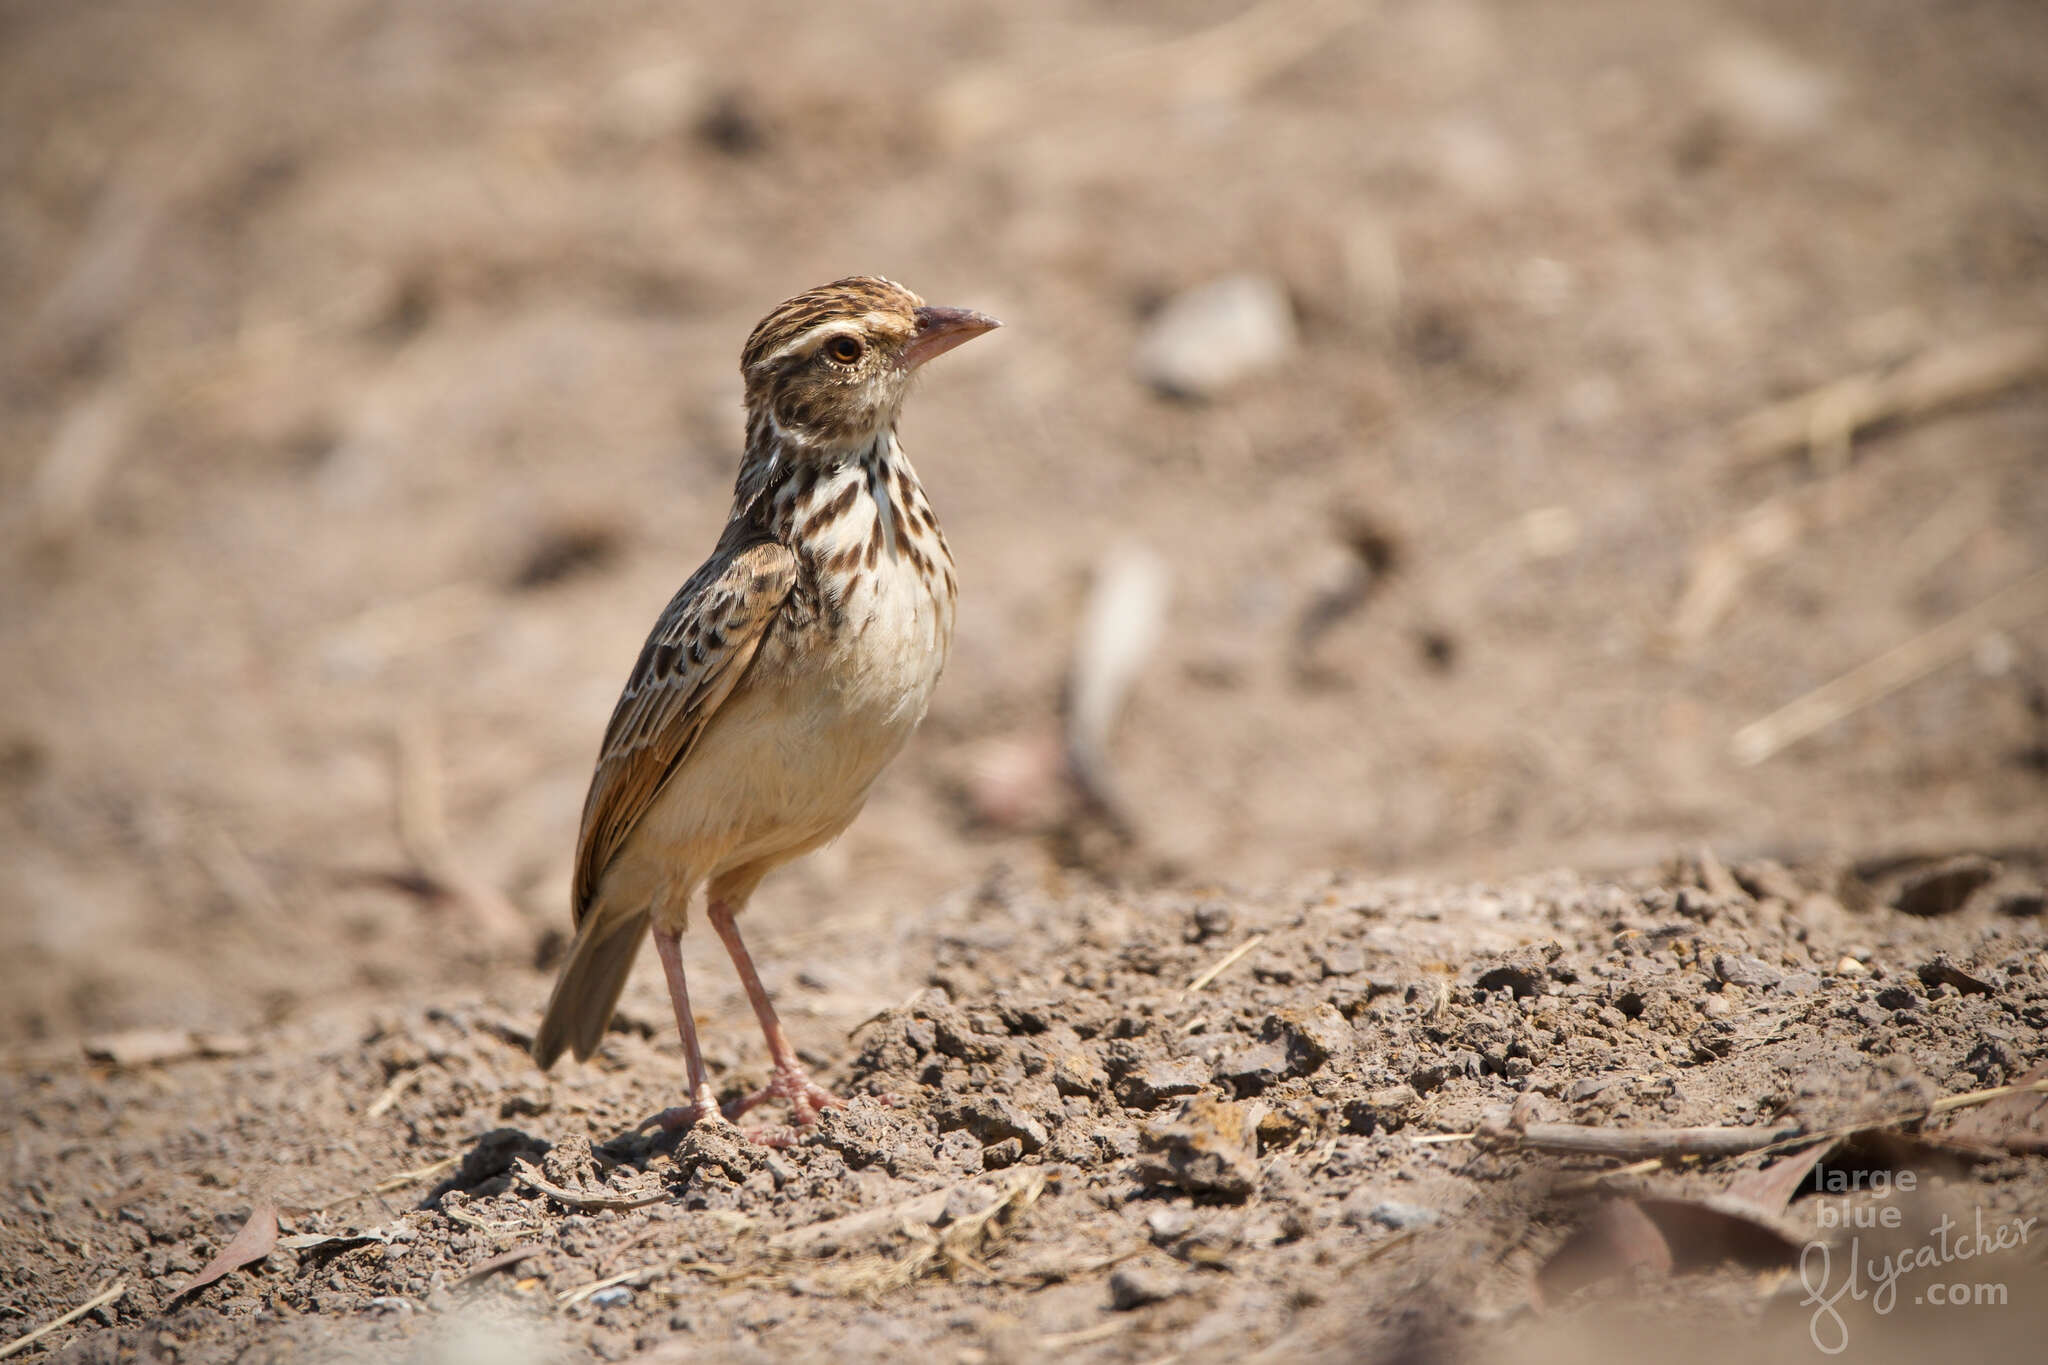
696 654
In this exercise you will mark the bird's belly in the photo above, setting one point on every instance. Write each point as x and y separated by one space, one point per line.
788 760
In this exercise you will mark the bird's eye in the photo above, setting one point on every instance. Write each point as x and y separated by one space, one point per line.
843 349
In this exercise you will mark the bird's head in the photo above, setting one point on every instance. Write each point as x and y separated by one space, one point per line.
827 370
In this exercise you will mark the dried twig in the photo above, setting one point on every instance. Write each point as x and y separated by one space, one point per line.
1635 1144
1224 61
836 1234
504 1260
1217 969
1125 614
100 1300
582 1292
423 830
1825 420
414 1176
960 1244
1948 1103
79 464
404 1081
1599 1178
1086 1336
1888 672
586 1202
470 1220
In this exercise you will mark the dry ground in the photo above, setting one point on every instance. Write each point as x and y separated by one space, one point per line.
369 383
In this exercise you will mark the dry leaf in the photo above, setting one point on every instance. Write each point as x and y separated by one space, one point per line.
501 1261
1769 1190
1706 1233
2017 1123
1618 1239
250 1245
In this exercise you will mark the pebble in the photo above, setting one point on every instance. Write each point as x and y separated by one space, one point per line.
1168 1223
1134 1286
1366 1208
1392 1213
1155 1082
1207 1150
1746 971
1216 334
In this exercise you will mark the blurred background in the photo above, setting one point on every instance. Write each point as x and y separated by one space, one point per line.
1509 404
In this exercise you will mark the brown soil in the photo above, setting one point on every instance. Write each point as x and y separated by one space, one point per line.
369 383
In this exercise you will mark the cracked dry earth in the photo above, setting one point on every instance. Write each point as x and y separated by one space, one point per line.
1169 1127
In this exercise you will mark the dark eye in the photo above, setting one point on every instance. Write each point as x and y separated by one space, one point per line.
844 349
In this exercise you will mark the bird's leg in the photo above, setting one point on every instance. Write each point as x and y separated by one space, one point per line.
790 1081
703 1104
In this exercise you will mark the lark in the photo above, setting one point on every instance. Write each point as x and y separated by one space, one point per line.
779 681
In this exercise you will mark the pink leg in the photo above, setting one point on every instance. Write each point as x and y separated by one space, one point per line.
791 1082
703 1104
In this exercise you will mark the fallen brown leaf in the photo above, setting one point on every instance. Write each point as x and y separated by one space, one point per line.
1770 1189
2016 1123
255 1241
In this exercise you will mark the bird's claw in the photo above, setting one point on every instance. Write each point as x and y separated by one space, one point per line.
806 1097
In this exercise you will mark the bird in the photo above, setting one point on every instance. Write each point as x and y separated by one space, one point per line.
779 681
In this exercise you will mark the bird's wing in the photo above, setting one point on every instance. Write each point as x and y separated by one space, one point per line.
697 652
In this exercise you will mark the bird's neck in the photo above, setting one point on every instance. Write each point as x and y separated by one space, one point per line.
783 482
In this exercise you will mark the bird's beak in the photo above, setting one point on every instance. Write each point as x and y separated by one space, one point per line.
939 330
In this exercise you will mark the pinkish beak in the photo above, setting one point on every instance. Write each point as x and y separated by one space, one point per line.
939 330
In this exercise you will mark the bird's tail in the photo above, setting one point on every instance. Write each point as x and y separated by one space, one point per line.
588 990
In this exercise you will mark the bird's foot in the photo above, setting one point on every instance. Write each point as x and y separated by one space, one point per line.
675 1120
806 1098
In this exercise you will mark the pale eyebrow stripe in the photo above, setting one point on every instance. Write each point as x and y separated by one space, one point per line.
818 333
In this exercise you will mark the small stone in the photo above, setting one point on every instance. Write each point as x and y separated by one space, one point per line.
1746 971
1168 1223
1343 959
995 1119
612 1297
1208 338
1392 1213
1212 919
1153 1083
1849 966
1768 879
571 1163
864 1134
1076 1072
720 1147
1368 1208
1134 1286
1765 90
1312 1035
1716 1006
1379 1110
1001 1155
1250 1069
1206 1150
1797 983
1898 998
1942 972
